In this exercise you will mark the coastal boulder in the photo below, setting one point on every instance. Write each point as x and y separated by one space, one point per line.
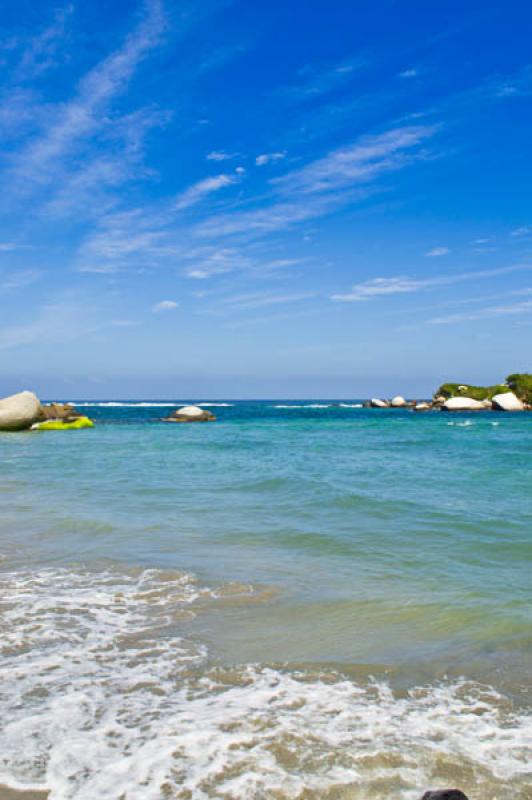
190 414
398 402
444 794
507 402
422 407
19 411
463 404
376 403
64 411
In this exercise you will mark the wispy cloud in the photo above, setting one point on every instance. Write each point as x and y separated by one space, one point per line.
326 183
8 247
41 52
360 162
269 158
194 194
380 286
437 251
51 323
220 155
253 300
411 72
405 285
165 305
524 307
208 261
70 123
18 279
523 230
315 80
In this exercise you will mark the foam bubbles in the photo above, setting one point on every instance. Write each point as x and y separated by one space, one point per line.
104 694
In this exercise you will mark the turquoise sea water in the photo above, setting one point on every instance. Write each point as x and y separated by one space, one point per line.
303 599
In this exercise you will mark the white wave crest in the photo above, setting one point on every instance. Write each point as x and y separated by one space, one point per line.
143 404
306 405
216 405
117 404
101 698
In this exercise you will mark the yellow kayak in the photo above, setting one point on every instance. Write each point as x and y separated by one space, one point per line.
60 425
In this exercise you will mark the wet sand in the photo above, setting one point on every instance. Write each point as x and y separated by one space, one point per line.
13 794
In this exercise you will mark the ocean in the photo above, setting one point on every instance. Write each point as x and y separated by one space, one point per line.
301 600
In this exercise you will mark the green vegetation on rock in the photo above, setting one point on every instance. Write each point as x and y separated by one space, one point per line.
519 383
467 390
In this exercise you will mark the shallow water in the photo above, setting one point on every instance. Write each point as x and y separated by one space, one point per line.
301 600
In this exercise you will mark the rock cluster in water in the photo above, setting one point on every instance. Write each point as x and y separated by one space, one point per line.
24 411
513 395
190 414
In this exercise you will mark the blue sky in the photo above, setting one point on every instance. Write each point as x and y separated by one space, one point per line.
249 199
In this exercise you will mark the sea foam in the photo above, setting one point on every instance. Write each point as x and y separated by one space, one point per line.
104 695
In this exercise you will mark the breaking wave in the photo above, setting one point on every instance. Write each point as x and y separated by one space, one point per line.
104 694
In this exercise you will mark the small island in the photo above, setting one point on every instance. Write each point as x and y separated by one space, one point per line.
515 394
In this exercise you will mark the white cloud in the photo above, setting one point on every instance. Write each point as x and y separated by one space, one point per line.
524 230
438 251
379 286
194 194
8 247
318 80
209 261
326 184
401 285
165 305
254 300
85 114
358 163
524 307
220 155
408 73
269 158
19 279
41 52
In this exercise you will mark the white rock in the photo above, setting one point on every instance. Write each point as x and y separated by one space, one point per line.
376 403
191 414
398 402
190 411
507 402
463 404
422 407
19 411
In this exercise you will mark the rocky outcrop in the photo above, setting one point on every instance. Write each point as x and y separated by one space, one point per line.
64 411
444 794
398 402
507 402
19 411
465 404
423 406
376 403
190 414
